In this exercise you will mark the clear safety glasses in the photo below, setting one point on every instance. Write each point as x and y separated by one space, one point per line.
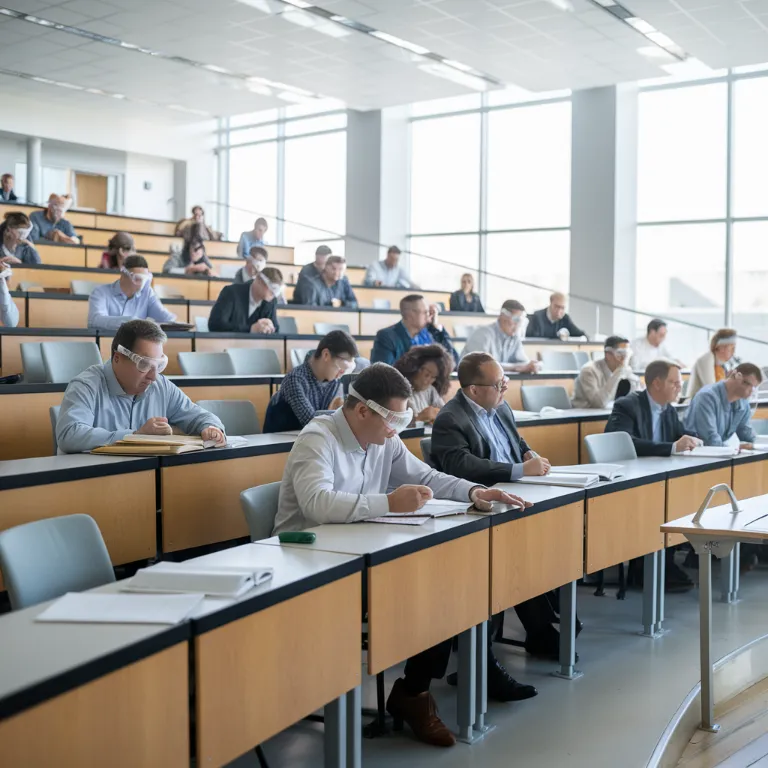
137 278
397 420
274 288
343 365
144 364
622 353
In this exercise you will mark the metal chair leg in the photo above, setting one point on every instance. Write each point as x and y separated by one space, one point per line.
261 757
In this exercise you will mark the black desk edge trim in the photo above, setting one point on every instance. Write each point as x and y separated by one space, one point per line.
625 485
52 476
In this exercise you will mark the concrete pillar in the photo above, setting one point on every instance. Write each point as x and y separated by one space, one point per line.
34 170
179 189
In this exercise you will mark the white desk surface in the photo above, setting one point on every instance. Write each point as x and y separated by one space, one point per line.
750 523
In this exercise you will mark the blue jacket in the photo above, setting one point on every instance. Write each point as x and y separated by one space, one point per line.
393 342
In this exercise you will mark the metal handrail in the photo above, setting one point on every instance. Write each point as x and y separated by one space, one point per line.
710 493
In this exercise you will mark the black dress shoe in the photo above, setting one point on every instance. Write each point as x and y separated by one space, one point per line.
501 685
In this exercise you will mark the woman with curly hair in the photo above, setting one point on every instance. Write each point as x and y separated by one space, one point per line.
427 368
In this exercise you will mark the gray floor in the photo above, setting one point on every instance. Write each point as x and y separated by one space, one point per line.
610 718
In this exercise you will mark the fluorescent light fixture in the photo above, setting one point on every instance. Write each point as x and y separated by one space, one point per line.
299 3
691 67
399 42
332 30
660 39
641 25
294 98
654 52
461 78
457 65
262 90
265 6
215 68
563 5
604 3
299 18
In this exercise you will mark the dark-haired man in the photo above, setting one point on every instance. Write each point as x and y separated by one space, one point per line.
651 347
315 268
600 382
127 394
330 289
389 273
249 307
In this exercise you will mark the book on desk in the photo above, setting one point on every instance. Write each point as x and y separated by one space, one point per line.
162 445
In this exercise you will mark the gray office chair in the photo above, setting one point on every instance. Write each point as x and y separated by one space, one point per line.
322 328
201 324
260 509
63 360
582 358
239 417
559 361
32 362
298 355
535 398
53 412
255 362
30 287
48 558
288 325
382 304
463 331
206 364
426 451
83 287
760 426
610 446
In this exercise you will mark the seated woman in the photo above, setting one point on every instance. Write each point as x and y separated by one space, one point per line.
15 246
427 368
312 386
119 247
50 224
254 237
715 365
191 259
466 300
196 226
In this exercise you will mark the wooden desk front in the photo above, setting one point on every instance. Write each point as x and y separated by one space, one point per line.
10 344
160 243
685 494
557 442
230 389
59 278
63 255
134 226
26 431
749 478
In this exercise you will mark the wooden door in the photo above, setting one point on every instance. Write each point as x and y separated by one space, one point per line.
91 191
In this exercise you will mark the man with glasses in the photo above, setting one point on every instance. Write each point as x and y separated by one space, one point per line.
129 298
312 386
553 322
128 394
719 411
249 307
503 340
601 382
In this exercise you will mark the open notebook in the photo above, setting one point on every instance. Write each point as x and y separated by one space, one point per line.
566 479
603 471
163 445
711 451
433 508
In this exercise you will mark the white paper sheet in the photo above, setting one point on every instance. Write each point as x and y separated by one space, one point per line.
566 480
398 520
710 451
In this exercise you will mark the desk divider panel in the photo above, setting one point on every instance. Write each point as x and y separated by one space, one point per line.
221 248
26 431
372 322
557 442
749 479
62 255
189 288
685 494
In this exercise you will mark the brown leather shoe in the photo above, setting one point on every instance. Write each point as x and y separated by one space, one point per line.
420 712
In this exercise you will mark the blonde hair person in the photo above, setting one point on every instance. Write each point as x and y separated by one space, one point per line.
715 365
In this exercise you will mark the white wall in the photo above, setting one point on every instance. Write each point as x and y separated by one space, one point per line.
157 172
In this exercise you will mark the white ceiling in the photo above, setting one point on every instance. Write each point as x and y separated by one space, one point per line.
527 43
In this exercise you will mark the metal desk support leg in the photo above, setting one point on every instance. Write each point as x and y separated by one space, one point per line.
705 640
465 703
354 727
662 571
729 575
567 669
481 679
650 594
335 733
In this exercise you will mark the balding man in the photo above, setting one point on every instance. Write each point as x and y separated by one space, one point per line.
553 322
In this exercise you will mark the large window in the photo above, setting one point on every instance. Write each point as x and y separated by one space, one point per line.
252 187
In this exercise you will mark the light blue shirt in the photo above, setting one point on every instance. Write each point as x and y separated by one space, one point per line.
109 307
491 339
656 411
247 241
42 226
96 410
715 420
493 431
9 312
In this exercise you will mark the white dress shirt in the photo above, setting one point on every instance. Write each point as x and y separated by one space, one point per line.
253 305
643 352
329 478
389 277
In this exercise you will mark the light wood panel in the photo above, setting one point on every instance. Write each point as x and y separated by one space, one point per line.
305 320
413 444
172 347
26 426
685 494
258 394
624 524
54 278
158 243
201 502
136 716
749 480
125 224
62 255
589 428
557 442
91 191
53 313
78 219
11 346
215 288
366 296
188 288
261 674
204 344
421 599
223 248
532 555
372 322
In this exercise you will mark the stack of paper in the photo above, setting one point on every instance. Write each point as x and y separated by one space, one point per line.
603 471
566 479
433 508
711 451
152 445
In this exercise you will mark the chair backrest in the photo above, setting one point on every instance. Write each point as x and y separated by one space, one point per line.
239 417
83 287
462 331
426 451
558 361
254 362
53 412
582 358
760 426
201 324
322 328
32 362
260 509
288 325
609 446
63 360
166 292
298 355
535 398
47 558
382 304
28 285
206 364
229 270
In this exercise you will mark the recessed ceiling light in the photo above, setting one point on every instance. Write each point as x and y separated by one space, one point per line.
654 52
563 5
660 39
461 78
457 65
641 25
399 42
299 3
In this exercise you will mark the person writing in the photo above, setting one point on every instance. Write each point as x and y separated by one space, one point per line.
329 289
553 322
340 470
466 300
50 224
128 395
15 246
388 273
600 382
312 386
715 365
255 237
427 369
120 246
248 307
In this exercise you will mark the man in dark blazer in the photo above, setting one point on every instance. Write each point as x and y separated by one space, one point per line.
419 325
547 323
475 437
248 307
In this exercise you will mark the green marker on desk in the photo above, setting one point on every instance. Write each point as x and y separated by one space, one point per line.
297 537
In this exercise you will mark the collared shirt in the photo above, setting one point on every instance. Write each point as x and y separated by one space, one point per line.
316 292
306 394
390 277
97 411
253 305
715 420
9 312
42 226
496 436
656 411
643 352
247 241
596 384
491 339
329 478
422 338
109 307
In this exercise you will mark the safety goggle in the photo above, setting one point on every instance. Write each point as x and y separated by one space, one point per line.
23 233
258 261
345 366
137 278
274 288
397 420
623 354
514 318
144 364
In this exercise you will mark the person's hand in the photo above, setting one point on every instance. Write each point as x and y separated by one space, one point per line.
264 325
532 367
483 499
157 425
215 434
336 303
377 283
408 498
428 414
10 260
746 446
433 314
337 402
687 443
535 466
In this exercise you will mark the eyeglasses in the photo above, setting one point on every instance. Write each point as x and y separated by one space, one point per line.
344 365
499 386
144 364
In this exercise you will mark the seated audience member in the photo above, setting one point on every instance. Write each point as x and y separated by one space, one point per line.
419 326
196 227
9 312
50 224
15 246
339 471
553 322
649 417
129 298
721 410
256 261
191 258
248 307
329 289
503 340
600 382
315 268
127 395
312 386
427 369
119 247
715 365
650 347
388 273
466 300
7 195
255 237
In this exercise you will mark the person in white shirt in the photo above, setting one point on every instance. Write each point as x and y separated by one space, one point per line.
9 312
341 469
650 347
389 273
602 381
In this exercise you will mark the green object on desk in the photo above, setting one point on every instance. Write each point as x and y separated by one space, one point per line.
297 537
